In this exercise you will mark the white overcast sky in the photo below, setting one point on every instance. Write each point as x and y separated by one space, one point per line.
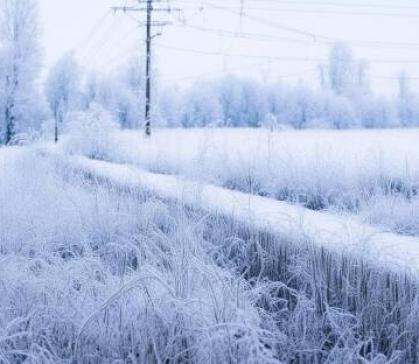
384 32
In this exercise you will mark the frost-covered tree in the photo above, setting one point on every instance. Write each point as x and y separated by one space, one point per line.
20 66
132 74
230 95
346 76
62 89
362 80
254 103
130 101
3 94
340 112
121 93
168 111
341 69
201 106
407 102
90 90
119 100
377 112
404 86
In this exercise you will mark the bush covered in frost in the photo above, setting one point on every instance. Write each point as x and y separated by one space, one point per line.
88 132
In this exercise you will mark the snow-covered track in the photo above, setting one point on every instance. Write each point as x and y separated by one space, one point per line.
339 234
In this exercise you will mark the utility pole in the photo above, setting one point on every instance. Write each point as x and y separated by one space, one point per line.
149 9
148 71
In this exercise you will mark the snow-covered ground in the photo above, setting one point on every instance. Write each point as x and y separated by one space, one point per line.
344 235
93 274
108 262
374 173
288 155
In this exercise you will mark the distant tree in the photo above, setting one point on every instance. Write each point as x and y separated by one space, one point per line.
121 93
362 81
170 102
341 113
254 103
341 69
62 89
404 86
132 75
323 77
3 93
20 66
346 75
230 95
298 106
407 103
201 106
130 101
377 112
90 90
119 100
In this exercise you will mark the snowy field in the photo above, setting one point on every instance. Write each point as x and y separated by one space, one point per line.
102 262
271 217
94 274
373 173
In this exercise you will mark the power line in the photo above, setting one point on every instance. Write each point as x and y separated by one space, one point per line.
315 37
235 34
278 58
307 34
324 3
226 72
218 53
85 41
313 11
307 37
278 39
102 39
357 5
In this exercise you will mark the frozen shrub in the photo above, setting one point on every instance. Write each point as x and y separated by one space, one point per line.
89 132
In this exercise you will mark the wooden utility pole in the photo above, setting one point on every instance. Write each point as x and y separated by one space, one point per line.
148 71
149 9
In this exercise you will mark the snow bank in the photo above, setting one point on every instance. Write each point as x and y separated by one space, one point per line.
341 234
319 169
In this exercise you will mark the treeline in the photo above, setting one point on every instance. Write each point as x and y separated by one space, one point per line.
344 98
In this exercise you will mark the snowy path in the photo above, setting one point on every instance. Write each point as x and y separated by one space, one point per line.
340 234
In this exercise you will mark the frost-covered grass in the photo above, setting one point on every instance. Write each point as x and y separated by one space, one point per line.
320 169
393 212
96 274
330 307
94 271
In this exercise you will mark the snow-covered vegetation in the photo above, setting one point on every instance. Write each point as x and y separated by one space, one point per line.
21 106
342 101
97 271
93 273
370 172
90 132
229 236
